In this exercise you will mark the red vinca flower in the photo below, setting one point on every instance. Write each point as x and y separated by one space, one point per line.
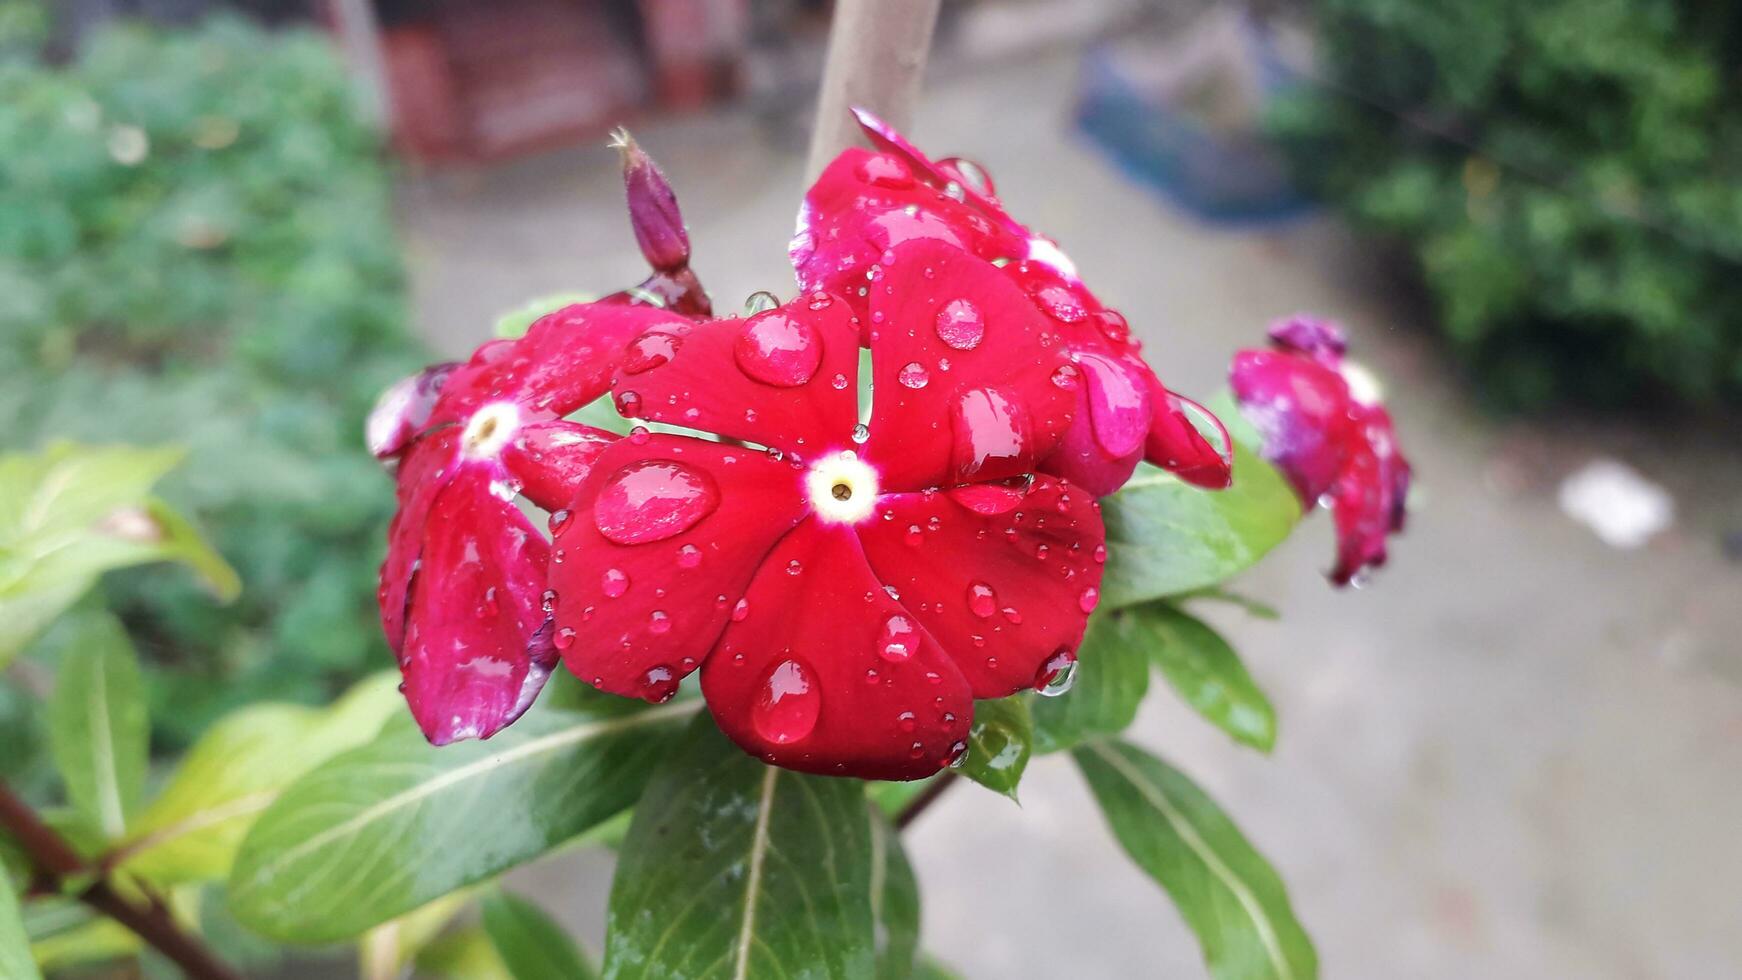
1322 425
868 202
847 590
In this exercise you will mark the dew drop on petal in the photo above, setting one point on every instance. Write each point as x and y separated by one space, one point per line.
961 325
558 519
1067 377
778 350
1056 675
564 638
898 639
981 600
861 432
653 499
658 622
689 556
786 708
613 583
1100 554
1060 303
740 610
987 428
883 170
650 350
628 404
658 684
913 375
1090 598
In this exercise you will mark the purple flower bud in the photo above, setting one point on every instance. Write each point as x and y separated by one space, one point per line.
653 211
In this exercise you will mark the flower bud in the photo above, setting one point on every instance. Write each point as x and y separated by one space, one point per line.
653 211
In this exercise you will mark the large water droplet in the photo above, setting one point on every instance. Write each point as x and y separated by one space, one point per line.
1090 598
899 638
786 708
982 602
658 622
650 350
1119 404
613 583
777 349
1060 303
1056 675
988 429
961 325
913 375
659 684
653 499
761 301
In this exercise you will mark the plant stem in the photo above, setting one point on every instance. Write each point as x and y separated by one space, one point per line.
926 798
877 52
55 860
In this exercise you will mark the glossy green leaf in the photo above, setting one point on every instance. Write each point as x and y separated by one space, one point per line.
190 832
97 727
894 902
1112 676
517 321
1226 892
64 932
388 826
999 744
734 869
71 513
16 962
530 944
1165 537
1200 665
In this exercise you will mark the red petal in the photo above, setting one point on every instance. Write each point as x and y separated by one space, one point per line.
425 470
1178 445
785 378
962 364
475 654
564 361
1020 578
1082 460
660 546
1301 410
402 412
1369 495
826 673
550 459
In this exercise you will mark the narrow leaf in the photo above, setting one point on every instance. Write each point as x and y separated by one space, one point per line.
386 827
894 902
532 946
1112 676
999 744
1227 893
16 962
1200 665
97 725
1165 537
734 869
236 770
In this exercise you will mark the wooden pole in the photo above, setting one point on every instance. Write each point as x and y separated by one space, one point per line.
876 57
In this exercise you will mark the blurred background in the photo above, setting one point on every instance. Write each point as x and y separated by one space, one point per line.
1518 753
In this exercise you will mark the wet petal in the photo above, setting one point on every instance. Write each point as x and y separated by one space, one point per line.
785 378
475 652
943 414
1081 459
548 460
427 468
652 561
1301 410
402 412
1178 444
1019 583
826 673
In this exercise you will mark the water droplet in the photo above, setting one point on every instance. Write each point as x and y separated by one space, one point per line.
547 602
740 610
972 174
1060 303
954 192
961 325
658 684
1067 377
861 432
1100 554
653 499
839 382
689 556
1012 615
1090 598
906 721
1056 675
913 375
650 350
761 301
915 536
658 622
628 404
778 350
613 583
488 608
958 755
981 600
988 429
820 301
786 708
1113 325
639 435
793 567
899 638
564 638
883 170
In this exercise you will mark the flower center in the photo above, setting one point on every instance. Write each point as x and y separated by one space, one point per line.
489 430
842 488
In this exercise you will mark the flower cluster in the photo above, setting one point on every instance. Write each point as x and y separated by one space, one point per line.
1321 423
847 574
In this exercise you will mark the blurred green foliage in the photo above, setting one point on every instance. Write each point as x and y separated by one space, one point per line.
196 247
1566 173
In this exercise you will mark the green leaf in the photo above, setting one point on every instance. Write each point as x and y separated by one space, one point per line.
1208 674
1112 676
462 954
384 951
893 797
71 513
1227 893
236 770
97 727
929 968
64 932
517 321
999 744
894 902
388 826
16 962
735 869
532 946
1165 536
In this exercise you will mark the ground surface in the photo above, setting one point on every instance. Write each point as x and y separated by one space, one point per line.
1517 754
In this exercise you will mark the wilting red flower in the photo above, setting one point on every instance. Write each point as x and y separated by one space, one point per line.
849 589
866 203
1322 425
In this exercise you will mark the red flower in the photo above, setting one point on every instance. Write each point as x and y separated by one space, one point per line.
849 590
866 203
1322 425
